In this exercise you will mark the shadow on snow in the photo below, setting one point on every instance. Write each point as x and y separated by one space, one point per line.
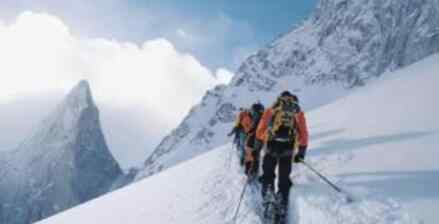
408 185
343 144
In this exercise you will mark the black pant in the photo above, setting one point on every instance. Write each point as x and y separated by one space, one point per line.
252 168
278 155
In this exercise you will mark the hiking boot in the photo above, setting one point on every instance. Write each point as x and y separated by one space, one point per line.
266 188
282 199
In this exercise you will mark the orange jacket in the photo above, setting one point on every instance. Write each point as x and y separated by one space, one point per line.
244 121
302 129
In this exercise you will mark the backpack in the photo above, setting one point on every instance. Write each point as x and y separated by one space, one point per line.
282 126
246 121
256 114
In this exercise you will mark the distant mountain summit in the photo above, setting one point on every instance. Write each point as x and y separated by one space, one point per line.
64 162
343 45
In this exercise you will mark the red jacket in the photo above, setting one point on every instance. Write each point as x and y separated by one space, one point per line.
244 121
302 129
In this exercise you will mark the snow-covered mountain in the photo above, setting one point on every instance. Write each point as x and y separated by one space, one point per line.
63 163
342 46
379 143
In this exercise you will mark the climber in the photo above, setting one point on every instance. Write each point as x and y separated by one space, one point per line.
279 127
242 127
253 144
236 132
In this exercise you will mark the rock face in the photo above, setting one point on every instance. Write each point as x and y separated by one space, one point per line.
63 163
342 46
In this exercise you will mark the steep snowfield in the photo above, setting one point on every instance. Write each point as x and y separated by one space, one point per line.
385 138
200 191
206 190
379 144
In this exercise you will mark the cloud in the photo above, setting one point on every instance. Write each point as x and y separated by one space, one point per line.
190 29
39 53
231 39
184 35
224 75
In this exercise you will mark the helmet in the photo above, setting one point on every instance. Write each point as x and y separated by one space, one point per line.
258 107
287 94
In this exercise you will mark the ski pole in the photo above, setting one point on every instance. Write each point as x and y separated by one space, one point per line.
240 200
335 187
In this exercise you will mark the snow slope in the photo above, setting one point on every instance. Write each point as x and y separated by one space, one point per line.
379 143
206 190
387 137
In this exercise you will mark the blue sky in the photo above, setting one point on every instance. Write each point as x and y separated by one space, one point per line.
219 33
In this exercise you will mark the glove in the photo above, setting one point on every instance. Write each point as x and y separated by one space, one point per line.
300 156
270 135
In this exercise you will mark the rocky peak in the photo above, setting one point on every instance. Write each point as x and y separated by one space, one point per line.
64 163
